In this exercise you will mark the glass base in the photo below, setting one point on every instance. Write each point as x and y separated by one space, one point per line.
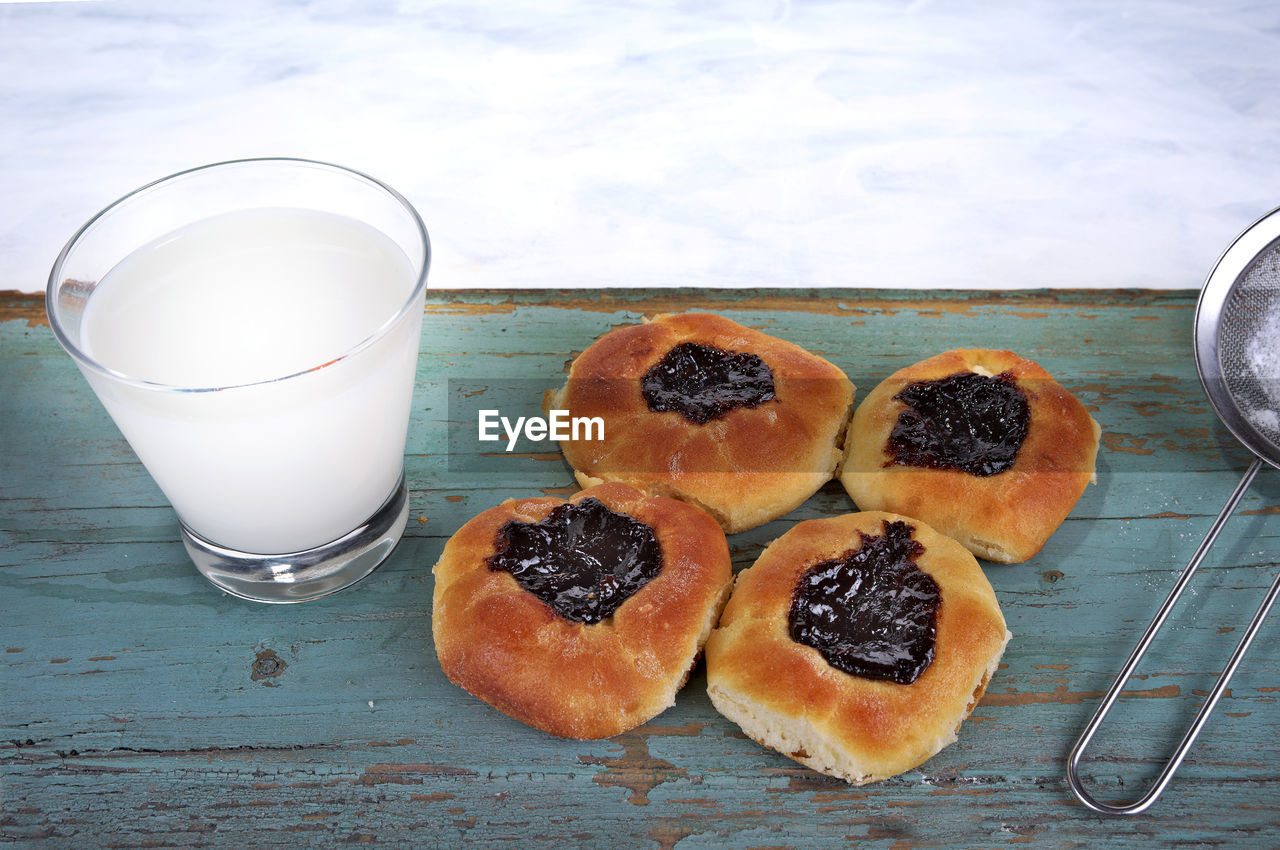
306 575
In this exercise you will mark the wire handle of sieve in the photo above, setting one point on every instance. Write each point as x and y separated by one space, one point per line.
1166 775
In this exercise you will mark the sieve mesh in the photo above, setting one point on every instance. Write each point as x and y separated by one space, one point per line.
1249 344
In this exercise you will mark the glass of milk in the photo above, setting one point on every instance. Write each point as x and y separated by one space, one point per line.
252 328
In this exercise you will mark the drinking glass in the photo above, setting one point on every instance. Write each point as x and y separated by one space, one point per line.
288 484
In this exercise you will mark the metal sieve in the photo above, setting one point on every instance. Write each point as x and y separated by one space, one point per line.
1237 349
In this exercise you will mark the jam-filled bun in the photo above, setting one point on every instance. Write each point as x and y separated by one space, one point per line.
856 645
744 425
580 618
985 446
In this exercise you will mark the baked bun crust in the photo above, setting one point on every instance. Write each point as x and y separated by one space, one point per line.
787 697
506 646
1005 517
746 467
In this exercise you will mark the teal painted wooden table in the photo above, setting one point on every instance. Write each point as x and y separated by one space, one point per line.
140 706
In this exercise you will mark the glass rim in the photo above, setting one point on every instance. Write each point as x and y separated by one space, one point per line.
85 360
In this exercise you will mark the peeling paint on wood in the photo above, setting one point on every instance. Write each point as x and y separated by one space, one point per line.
141 707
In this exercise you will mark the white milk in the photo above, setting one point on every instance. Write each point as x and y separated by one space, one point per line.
235 302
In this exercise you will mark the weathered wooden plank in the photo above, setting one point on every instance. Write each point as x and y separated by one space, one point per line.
142 707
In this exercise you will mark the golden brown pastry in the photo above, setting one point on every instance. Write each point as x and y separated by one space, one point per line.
983 445
744 425
579 618
856 645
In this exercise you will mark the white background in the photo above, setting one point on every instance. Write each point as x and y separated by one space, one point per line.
961 144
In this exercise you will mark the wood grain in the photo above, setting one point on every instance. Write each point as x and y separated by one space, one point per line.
140 707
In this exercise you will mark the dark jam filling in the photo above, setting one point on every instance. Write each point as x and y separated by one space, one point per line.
871 612
966 421
583 559
702 383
